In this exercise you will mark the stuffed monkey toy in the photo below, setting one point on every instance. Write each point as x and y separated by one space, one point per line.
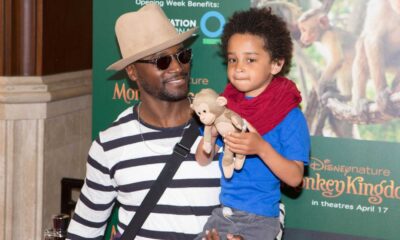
210 107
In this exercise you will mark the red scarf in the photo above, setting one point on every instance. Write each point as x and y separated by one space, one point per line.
269 108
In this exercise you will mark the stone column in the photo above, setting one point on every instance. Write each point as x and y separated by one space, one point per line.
45 134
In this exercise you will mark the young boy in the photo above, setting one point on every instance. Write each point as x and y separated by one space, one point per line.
258 49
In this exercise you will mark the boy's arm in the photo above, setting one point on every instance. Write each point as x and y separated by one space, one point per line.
288 171
248 143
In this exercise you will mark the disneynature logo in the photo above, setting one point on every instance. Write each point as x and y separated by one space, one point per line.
351 180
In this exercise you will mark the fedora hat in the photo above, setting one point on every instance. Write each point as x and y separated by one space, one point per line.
143 33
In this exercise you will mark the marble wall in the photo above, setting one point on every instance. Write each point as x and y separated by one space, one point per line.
45 134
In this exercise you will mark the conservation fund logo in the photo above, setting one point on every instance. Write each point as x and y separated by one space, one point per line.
211 25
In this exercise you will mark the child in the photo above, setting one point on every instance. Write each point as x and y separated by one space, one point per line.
258 49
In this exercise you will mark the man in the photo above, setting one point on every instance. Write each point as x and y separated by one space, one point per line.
126 158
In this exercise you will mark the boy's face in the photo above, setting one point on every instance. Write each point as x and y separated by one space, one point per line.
250 67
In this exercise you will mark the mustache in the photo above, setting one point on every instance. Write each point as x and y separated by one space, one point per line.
177 76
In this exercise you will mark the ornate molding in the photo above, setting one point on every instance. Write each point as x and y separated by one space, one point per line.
44 89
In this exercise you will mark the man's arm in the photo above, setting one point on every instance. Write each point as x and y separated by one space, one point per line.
96 200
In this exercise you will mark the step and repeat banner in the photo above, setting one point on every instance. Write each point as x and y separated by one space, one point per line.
112 92
351 188
347 68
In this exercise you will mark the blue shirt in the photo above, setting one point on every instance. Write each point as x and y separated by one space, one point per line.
254 188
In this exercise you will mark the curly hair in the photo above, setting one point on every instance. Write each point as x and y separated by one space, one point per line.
263 23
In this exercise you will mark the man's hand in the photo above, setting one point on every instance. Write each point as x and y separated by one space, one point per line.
234 237
213 235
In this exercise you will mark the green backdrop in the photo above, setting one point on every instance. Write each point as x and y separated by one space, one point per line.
111 89
351 189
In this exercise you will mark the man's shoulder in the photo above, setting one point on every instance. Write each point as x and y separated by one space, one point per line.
127 112
116 129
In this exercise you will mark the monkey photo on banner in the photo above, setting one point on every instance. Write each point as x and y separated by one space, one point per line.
378 52
346 61
335 78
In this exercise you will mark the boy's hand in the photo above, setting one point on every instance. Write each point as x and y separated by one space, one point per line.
213 235
246 143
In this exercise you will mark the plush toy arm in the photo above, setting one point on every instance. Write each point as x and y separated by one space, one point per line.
202 156
237 121
208 139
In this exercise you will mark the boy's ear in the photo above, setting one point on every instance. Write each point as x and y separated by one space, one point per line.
277 65
131 71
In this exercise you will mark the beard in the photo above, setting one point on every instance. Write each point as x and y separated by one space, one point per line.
163 93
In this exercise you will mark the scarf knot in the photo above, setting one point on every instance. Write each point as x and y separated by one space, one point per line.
269 108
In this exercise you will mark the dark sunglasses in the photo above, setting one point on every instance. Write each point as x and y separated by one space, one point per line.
163 62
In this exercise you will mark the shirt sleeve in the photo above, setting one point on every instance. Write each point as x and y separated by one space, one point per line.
295 137
96 200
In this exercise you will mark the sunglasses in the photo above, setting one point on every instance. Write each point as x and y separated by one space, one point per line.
162 63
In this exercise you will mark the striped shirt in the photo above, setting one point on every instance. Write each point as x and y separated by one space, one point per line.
123 163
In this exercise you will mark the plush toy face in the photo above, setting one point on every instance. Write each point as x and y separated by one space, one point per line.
203 111
210 107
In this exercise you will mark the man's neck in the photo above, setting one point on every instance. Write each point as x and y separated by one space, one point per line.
165 114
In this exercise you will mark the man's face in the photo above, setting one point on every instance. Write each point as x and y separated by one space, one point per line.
171 84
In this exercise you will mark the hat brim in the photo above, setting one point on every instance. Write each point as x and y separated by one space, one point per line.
121 64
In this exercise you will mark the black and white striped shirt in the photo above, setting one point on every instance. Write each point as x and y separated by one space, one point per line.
122 167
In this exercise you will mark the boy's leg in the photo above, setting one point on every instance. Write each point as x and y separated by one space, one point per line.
253 227
220 222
